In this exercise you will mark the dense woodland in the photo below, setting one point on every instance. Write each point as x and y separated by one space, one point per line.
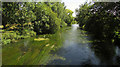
101 19
25 19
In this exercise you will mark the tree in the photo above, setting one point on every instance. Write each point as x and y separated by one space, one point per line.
102 19
19 16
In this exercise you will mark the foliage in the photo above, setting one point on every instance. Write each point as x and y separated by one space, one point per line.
27 19
74 22
102 19
65 15
11 36
47 21
69 18
40 39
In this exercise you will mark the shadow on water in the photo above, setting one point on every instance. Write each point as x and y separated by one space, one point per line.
69 46
107 51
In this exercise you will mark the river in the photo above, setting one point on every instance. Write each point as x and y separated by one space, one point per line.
70 46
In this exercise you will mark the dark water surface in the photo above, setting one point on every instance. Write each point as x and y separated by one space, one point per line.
70 46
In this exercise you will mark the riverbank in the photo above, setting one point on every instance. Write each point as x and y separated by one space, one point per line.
14 36
69 46
8 37
32 50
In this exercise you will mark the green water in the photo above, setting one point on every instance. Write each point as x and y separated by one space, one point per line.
69 46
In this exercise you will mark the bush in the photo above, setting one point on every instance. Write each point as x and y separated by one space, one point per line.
11 36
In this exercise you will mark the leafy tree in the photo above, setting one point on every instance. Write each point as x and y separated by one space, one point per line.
102 19
18 15
46 21
69 17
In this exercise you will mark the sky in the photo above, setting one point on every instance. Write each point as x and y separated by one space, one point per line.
73 4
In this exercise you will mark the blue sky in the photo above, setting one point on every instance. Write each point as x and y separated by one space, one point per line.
73 4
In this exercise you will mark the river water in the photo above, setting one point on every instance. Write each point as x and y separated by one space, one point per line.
70 46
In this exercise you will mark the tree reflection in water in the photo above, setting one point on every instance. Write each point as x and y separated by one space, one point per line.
107 51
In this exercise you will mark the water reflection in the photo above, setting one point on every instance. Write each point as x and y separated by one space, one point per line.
75 26
30 52
117 56
75 49
69 46
107 51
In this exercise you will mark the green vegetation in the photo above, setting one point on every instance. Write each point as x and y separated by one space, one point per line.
39 33
26 19
33 50
101 19
11 36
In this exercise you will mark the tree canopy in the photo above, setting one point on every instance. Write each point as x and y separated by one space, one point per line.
30 18
102 19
